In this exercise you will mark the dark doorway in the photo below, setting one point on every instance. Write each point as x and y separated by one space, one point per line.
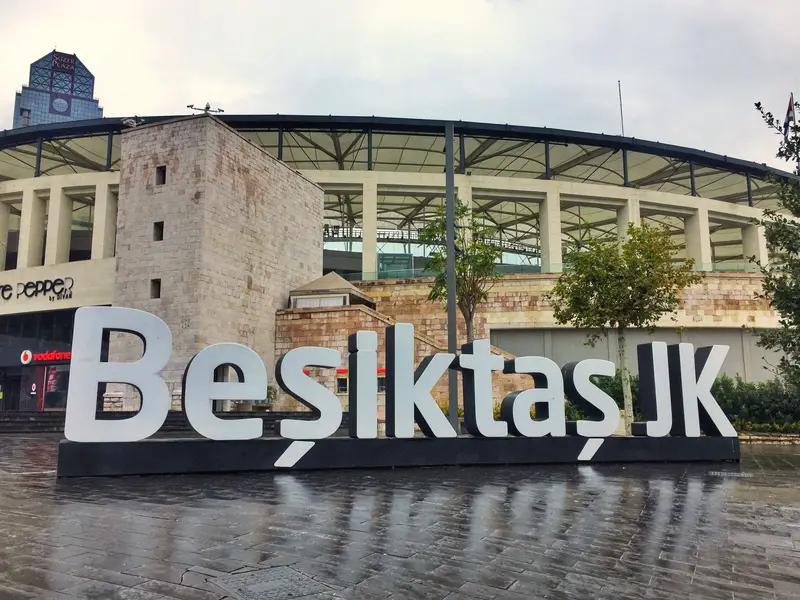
11 388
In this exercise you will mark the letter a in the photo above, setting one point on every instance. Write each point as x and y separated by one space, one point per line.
87 371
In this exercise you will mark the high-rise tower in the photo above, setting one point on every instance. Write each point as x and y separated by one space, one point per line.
60 88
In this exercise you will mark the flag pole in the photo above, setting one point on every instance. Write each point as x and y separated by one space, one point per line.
621 117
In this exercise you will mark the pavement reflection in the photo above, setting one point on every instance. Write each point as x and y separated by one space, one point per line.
610 531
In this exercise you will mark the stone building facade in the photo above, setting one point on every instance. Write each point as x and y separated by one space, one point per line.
206 223
724 303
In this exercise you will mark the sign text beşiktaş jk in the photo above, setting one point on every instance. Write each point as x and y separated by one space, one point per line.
674 397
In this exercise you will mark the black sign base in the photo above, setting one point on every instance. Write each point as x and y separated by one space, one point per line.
174 456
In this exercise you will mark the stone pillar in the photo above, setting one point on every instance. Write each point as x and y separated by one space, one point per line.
550 233
369 230
628 213
465 195
754 244
698 240
104 227
59 227
5 211
31 230
241 230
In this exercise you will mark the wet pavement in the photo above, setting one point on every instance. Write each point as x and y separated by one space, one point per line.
646 531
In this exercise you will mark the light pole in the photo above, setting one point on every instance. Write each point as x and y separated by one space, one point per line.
450 225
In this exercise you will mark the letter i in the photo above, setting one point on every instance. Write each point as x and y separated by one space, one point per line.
363 384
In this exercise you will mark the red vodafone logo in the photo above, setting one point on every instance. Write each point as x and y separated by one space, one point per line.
28 357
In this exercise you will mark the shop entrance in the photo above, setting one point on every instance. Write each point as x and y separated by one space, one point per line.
10 389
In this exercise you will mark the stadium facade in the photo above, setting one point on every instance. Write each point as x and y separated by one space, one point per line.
222 226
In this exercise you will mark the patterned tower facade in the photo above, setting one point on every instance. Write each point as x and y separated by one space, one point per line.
60 89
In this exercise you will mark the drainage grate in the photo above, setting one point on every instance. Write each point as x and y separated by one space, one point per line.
277 583
729 474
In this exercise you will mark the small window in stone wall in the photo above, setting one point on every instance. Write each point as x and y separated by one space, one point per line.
158 231
341 385
155 288
161 175
382 385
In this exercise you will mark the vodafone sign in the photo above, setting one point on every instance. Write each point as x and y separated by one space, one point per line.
27 357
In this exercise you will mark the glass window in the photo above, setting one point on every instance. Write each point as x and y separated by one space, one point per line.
15 326
18 162
74 155
47 326
335 150
382 384
403 152
341 385
30 325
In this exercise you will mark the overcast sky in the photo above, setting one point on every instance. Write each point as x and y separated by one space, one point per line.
690 69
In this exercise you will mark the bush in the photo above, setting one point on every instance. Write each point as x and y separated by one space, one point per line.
753 405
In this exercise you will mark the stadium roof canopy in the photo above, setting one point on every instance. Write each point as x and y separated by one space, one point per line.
416 145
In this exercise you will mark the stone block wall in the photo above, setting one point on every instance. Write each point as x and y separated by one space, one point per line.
240 230
330 327
518 301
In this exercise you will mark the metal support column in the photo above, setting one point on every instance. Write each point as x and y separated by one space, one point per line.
38 168
691 177
547 160
625 168
280 143
749 191
369 149
452 332
462 154
109 148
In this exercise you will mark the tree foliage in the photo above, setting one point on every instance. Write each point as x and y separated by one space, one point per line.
613 284
782 275
476 260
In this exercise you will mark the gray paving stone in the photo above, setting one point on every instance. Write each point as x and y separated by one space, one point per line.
657 532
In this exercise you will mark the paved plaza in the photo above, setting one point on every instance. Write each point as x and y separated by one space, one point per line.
644 531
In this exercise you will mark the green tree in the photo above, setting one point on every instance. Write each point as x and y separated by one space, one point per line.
612 284
476 260
782 233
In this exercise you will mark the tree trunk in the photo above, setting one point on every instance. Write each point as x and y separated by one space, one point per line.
626 380
470 330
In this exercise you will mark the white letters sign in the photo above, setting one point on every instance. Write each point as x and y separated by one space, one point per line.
674 396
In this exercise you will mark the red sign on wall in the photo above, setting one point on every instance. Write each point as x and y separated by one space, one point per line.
28 357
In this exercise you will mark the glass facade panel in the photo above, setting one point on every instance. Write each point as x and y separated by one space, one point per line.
326 150
585 164
80 247
726 248
721 185
116 151
18 162
266 139
74 155
408 153
12 241
506 158
659 173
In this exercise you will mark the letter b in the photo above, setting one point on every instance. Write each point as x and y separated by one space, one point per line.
87 371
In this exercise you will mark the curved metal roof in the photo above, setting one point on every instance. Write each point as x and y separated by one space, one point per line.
417 145
425 127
